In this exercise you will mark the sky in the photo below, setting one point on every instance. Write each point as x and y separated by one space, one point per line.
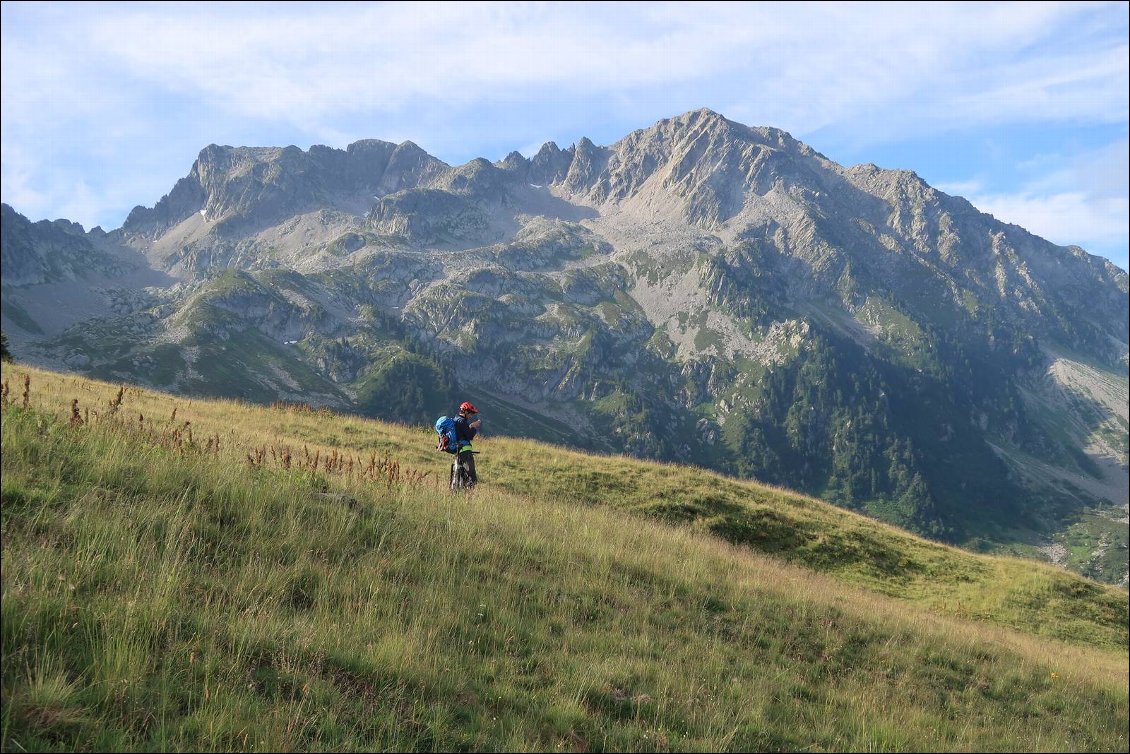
1020 107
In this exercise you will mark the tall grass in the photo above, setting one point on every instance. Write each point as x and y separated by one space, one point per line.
1027 595
177 596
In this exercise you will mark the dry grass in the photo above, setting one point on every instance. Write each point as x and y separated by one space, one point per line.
356 453
161 592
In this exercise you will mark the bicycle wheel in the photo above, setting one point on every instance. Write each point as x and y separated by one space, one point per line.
460 476
456 476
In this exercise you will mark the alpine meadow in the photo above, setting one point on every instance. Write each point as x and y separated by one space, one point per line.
203 575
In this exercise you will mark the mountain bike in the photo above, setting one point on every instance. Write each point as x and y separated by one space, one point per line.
460 475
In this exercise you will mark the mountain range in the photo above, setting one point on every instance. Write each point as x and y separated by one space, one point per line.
700 292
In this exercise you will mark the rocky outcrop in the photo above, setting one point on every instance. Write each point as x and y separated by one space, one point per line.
428 216
243 189
50 251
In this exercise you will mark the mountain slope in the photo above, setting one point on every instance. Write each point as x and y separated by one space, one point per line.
181 563
700 291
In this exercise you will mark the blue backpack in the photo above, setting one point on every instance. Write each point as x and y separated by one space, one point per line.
445 428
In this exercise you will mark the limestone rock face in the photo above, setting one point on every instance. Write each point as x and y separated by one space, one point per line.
50 252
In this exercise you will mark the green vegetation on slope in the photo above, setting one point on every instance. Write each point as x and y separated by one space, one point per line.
1024 594
160 592
1021 594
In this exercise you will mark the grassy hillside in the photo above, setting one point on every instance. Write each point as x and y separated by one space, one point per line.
197 575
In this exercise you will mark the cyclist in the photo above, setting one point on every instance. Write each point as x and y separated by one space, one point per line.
466 427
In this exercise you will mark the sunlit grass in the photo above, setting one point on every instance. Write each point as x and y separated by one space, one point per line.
1023 594
163 596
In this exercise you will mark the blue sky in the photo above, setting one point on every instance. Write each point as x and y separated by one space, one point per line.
1021 108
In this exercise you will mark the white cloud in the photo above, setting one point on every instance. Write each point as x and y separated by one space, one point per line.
805 64
1065 219
1087 85
1077 200
354 57
1099 226
1104 173
967 188
82 204
17 172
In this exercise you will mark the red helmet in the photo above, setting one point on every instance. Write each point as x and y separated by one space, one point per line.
466 407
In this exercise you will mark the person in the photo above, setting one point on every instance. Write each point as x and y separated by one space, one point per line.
466 427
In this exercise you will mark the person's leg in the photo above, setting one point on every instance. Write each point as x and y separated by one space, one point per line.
469 466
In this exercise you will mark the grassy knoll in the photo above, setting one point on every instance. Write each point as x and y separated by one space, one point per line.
234 577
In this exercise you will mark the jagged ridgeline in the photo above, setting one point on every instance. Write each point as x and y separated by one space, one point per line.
700 291
183 574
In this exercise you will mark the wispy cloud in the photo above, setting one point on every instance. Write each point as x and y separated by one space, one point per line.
806 63
18 177
1081 200
1066 219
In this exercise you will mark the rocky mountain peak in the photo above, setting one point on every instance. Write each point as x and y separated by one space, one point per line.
709 164
694 122
477 178
409 166
369 145
47 251
232 186
513 163
588 162
550 164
